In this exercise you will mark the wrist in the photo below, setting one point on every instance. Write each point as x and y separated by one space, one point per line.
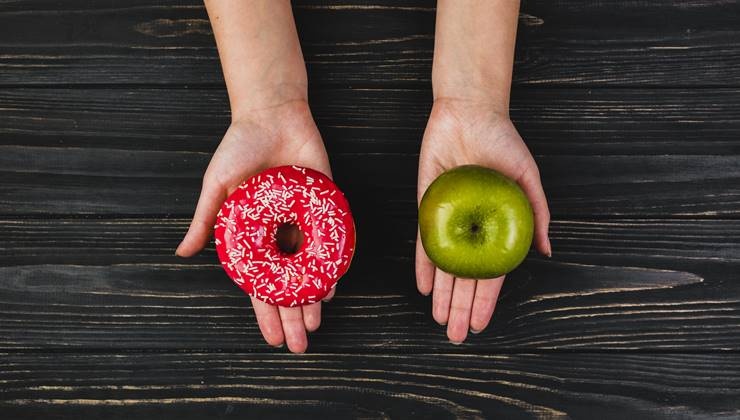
471 87
474 51
260 53
289 113
471 116
245 103
464 105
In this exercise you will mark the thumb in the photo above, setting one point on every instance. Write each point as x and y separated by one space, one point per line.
424 268
212 196
530 182
428 171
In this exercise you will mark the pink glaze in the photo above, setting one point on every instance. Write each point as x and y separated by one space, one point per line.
247 224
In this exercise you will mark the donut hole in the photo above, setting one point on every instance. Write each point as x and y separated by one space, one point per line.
289 238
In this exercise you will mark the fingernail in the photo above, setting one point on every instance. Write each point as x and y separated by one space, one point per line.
425 293
279 346
475 331
549 249
455 343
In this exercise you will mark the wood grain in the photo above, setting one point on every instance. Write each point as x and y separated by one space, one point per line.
632 110
576 43
61 181
553 121
612 285
143 151
542 386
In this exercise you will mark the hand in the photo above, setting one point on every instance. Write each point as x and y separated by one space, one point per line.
463 132
278 135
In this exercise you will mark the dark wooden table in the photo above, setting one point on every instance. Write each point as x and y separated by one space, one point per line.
109 112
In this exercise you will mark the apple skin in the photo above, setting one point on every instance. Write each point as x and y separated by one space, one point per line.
475 223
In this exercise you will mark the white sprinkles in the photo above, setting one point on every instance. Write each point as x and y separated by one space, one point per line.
247 224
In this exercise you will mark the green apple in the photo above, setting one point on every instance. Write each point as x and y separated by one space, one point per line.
475 223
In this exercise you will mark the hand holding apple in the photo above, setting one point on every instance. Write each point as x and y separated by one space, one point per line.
461 132
475 223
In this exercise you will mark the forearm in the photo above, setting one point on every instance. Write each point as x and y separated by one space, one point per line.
474 50
260 53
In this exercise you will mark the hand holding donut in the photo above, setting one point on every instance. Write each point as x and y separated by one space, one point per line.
271 126
280 135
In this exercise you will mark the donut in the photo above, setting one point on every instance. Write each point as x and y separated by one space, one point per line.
286 235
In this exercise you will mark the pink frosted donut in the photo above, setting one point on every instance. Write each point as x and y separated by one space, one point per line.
286 235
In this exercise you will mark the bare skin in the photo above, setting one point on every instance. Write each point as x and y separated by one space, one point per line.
271 126
469 124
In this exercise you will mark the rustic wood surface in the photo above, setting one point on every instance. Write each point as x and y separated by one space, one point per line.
663 152
618 284
350 385
566 42
109 113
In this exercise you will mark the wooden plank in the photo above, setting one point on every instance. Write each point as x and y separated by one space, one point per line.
654 243
571 121
585 186
629 152
543 386
627 43
611 285
369 42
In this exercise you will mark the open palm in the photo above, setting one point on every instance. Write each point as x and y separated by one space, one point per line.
462 132
280 135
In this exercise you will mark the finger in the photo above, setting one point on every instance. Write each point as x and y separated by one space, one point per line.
427 173
268 320
312 316
484 302
462 303
211 198
532 186
424 269
293 328
442 296
330 295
